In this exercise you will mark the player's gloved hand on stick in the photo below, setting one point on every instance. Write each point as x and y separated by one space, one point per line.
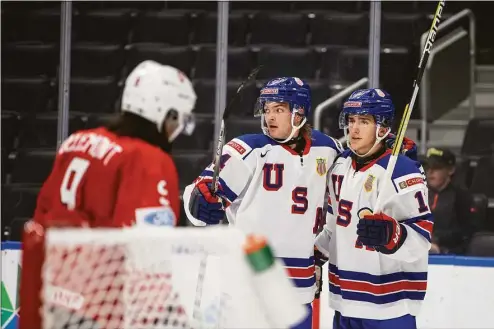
319 260
408 147
382 232
204 205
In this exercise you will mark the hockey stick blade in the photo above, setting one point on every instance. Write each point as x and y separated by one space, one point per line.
222 133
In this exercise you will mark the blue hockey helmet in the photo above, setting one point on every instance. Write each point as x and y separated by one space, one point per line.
291 90
375 102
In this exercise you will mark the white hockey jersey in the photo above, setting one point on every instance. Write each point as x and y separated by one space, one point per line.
364 283
278 193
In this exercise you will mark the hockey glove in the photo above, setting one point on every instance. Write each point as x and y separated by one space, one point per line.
204 205
382 232
319 260
408 148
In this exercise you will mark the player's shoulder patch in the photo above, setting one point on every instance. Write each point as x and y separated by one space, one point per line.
244 144
407 175
321 139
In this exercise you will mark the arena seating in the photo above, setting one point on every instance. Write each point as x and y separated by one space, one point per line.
323 42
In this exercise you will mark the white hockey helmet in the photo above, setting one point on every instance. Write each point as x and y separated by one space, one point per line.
152 90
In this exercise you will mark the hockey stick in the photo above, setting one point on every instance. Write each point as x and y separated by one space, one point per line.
409 107
222 134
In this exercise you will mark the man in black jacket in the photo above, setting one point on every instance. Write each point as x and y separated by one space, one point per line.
452 205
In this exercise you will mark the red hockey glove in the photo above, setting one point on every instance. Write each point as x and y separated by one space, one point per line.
382 232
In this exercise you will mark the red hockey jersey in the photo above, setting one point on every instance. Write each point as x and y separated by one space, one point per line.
100 179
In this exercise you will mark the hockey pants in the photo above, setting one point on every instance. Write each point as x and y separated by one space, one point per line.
403 322
307 322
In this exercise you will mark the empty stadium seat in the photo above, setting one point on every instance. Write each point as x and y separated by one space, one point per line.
167 26
135 5
24 6
41 130
480 205
349 65
320 92
479 137
287 61
345 65
26 94
192 5
240 126
180 57
205 90
206 28
463 172
321 6
30 59
95 120
261 5
405 7
32 166
93 94
35 25
18 201
287 29
402 29
10 130
482 181
481 245
239 62
97 60
104 25
190 165
340 29
202 137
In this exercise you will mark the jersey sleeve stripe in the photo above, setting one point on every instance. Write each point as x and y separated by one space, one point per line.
422 225
232 196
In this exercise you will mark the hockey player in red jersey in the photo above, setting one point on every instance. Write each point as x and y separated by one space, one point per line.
114 176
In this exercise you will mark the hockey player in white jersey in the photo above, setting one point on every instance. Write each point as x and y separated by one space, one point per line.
377 262
273 182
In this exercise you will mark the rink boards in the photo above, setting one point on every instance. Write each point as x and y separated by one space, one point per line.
460 292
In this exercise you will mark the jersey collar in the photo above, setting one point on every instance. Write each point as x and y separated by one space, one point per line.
372 162
306 148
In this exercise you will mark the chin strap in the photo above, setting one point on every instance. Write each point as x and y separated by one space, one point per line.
290 139
378 140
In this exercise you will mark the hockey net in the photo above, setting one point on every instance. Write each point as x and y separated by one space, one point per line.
139 278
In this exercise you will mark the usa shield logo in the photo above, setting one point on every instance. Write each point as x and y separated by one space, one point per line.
368 183
322 167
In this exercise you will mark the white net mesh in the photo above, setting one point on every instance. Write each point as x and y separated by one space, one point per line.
149 278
